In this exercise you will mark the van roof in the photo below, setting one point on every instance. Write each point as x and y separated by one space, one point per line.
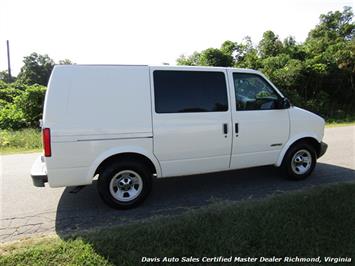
163 66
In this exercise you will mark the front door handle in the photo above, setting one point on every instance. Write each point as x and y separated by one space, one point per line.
225 129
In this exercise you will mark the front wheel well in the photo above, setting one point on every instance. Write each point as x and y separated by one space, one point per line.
310 141
126 156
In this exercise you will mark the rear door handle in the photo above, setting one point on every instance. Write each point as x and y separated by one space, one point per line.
225 128
236 128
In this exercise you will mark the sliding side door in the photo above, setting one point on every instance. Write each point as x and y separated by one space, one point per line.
191 120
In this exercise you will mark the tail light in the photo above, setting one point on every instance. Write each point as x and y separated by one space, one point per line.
46 134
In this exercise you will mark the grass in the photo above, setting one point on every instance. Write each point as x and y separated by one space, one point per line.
345 121
339 124
26 140
317 222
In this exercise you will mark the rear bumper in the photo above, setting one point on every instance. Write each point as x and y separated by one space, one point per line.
39 172
323 149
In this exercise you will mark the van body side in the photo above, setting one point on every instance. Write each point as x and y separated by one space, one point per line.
126 124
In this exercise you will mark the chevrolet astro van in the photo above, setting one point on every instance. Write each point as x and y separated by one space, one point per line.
127 124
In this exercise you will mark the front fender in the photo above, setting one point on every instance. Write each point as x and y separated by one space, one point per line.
293 140
122 149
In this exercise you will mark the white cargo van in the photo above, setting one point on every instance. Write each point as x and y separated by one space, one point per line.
127 124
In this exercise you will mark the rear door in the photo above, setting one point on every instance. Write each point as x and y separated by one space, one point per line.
260 128
191 120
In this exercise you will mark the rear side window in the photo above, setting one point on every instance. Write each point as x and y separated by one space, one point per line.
189 91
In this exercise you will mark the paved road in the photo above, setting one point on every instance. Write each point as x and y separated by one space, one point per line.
27 210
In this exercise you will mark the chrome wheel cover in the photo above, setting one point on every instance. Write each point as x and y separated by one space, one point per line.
126 185
301 162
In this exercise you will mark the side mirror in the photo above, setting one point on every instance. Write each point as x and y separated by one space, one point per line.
283 103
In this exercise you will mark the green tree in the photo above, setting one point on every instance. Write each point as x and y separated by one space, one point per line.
36 70
330 60
318 74
246 55
294 50
4 76
192 60
228 47
270 45
65 62
334 26
215 57
208 57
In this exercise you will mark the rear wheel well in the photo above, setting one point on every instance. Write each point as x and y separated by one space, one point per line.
310 141
126 156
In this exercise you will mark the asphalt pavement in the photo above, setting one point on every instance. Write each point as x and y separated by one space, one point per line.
26 210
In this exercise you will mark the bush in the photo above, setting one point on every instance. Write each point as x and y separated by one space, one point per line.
11 117
21 105
3 103
31 104
8 94
3 84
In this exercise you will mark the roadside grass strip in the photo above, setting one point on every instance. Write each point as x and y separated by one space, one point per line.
26 140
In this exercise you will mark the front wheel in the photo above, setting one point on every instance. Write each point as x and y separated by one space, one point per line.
124 184
299 161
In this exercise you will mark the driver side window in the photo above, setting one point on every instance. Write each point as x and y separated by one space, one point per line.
253 93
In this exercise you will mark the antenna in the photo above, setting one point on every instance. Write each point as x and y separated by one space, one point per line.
8 61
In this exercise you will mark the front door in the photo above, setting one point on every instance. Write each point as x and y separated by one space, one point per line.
191 120
260 128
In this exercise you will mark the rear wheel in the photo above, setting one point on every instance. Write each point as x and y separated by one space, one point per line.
299 161
124 184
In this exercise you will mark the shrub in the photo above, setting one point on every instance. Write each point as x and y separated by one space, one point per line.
21 105
11 117
8 94
30 102
3 103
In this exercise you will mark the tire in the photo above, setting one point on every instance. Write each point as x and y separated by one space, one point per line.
296 163
124 184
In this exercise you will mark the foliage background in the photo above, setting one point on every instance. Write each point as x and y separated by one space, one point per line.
317 74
